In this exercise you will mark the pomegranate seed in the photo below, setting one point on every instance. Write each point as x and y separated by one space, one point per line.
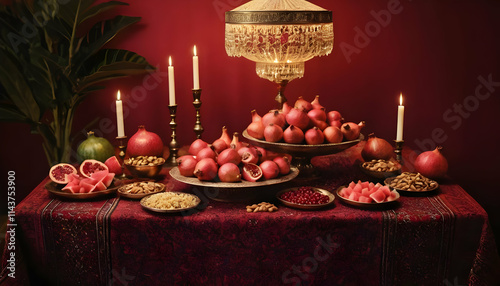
305 196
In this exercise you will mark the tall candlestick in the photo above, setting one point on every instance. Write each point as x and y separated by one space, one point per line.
401 114
196 73
119 115
171 83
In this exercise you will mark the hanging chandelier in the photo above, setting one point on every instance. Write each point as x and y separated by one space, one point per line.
279 35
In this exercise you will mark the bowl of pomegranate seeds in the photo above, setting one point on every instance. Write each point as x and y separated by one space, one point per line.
306 198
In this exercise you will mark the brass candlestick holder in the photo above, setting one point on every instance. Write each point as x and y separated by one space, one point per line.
122 146
173 146
198 129
399 150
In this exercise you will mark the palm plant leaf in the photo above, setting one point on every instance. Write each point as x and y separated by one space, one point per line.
17 89
99 35
112 63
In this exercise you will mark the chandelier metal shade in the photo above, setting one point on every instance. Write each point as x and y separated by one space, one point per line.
279 35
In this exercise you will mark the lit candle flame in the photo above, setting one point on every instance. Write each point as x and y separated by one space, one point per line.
169 61
194 50
118 97
401 99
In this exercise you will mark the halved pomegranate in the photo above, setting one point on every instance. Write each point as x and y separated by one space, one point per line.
251 172
60 173
90 166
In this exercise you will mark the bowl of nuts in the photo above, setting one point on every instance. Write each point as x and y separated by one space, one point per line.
412 184
144 166
381 169
138 190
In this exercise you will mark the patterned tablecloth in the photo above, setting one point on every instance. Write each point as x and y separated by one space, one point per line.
441 239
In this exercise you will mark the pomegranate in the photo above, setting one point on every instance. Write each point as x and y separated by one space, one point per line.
144 143
251 172
317 114
207 152
90 166
275 117
333 134
262 153
314 136
229 172
187 163
270 169
206 169
298 117
235 143
283 164
293 135
334 116
114 165
229 155
223 142
432 164
336 123
196 146
315 103
303 104
319 123
255 116
351 130
285 109
248 155
256 129
60 173
273 133
376 148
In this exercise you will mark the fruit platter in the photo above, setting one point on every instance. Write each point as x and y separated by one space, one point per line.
231 170
92 180
367 195
304 130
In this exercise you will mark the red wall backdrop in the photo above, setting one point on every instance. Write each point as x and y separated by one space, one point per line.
440 54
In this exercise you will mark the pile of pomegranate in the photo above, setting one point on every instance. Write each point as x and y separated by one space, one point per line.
304 123
229 160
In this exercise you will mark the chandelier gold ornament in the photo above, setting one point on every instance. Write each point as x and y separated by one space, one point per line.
279 35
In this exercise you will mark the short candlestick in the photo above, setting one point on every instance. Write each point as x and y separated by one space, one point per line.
399 150
122 147
173 146
198 129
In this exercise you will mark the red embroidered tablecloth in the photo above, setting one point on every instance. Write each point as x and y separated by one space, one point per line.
442 239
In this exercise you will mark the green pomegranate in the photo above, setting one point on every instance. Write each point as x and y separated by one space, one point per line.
96 148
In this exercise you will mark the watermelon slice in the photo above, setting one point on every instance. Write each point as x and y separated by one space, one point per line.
86 187
363 199
391 197
100 186
355 196
386 190
379 196
109 179
357 189
365 184
71 188
365 192
352 185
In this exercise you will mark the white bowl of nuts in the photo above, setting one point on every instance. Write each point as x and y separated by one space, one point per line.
144 166
381 169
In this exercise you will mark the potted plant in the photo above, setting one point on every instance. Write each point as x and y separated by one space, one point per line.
53 57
